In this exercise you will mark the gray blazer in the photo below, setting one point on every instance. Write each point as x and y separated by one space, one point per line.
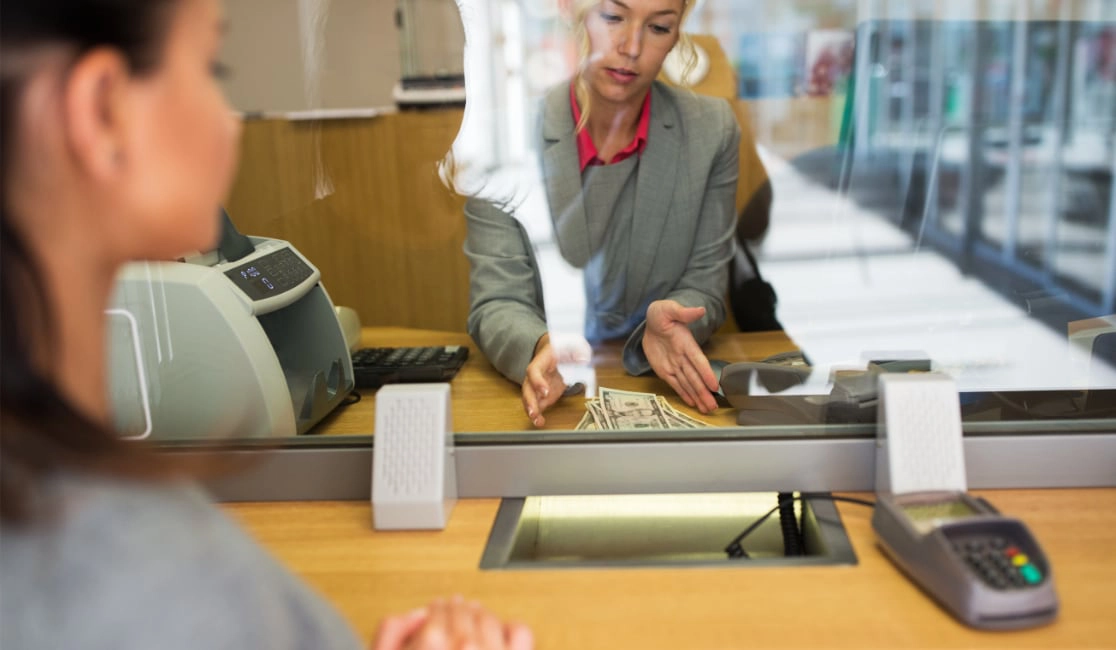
683 223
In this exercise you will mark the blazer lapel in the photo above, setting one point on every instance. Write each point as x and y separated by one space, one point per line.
655 182
562 177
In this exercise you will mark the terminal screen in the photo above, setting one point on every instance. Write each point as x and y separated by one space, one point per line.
927 516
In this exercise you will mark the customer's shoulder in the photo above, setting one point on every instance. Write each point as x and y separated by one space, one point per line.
104 498
103 536
146 564
129 519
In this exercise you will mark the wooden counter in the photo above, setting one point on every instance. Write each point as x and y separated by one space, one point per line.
367 574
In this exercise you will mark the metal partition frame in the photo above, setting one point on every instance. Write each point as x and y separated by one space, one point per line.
342 470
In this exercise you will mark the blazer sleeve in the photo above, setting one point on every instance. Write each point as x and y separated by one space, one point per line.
704 282
506 312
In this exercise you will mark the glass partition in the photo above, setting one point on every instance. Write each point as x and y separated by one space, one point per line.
942 183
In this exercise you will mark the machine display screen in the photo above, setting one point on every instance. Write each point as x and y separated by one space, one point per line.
270 275
927 516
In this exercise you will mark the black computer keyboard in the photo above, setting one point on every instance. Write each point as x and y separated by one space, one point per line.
374 367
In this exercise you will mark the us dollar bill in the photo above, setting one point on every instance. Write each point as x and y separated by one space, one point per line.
628 410
620 409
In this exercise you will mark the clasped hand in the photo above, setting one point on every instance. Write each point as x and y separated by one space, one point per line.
453 624
675 355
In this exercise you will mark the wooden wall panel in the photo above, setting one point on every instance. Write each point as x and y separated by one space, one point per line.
361 199
433 231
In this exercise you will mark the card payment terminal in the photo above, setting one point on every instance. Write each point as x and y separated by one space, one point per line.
984 568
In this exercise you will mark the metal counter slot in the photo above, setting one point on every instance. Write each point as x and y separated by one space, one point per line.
657 530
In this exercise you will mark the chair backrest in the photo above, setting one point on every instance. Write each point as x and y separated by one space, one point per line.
721 81
753 188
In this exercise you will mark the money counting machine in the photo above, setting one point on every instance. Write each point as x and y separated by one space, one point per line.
240 342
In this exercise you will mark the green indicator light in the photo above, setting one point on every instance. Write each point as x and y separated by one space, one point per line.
1030 574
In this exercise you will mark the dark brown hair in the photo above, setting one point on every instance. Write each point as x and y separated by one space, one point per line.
40 430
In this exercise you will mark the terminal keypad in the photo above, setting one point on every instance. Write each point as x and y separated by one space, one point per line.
998 562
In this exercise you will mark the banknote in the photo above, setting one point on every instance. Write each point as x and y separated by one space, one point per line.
614 409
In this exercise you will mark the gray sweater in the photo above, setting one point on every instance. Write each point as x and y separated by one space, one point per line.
123 564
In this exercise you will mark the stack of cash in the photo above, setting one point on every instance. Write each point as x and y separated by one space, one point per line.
621 409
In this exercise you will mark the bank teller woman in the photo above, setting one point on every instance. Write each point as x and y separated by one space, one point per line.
118 145
640 179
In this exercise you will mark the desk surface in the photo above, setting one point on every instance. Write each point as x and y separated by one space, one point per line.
484 401
368 573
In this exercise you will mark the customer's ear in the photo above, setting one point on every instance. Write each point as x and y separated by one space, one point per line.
95 115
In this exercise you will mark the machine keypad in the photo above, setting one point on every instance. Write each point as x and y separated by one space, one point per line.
998 562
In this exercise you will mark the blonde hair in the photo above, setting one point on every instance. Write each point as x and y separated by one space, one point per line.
581 9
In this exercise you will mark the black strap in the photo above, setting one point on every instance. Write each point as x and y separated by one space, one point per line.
752 261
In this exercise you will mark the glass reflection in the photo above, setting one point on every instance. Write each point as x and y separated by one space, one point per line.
941 179
639 179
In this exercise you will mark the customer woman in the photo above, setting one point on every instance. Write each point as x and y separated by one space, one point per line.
117 145
640 180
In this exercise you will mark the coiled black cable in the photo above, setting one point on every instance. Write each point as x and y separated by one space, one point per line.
792 533
736 550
